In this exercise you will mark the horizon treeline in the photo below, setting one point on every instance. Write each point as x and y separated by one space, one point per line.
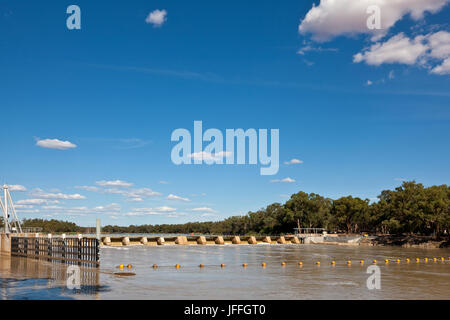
410 208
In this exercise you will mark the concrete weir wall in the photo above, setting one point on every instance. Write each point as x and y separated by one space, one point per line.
202 240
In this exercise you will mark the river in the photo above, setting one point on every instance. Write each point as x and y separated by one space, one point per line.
28 279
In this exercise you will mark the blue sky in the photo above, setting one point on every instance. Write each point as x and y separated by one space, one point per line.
116 89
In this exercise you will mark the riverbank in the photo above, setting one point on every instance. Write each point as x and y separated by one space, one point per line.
407 241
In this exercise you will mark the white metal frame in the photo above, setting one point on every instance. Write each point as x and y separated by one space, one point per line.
10 219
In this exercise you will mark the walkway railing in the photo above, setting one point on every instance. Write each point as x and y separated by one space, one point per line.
84 251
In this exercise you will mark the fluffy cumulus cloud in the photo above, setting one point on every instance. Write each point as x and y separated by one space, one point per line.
175 197
114 183
431 51
55 144
157 17
134 195
333 18
398 49
16 187
293 161
39 193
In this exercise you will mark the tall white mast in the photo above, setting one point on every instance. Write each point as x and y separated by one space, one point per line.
9 210
5 209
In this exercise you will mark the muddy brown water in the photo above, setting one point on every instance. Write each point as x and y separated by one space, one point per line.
27 279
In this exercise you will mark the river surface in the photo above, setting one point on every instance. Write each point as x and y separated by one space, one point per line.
28 279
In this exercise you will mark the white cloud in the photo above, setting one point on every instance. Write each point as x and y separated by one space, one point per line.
55 144
39 193
23 206
333 18
423 50
163 182
174 197
135 195
310 48
151 211
443 68
165 209
205 215
37 202
114 183
369 83
157 17
16 187
293 161
439 43
285 180
398 49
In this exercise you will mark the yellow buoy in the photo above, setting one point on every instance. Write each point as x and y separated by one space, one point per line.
318 263
434 259
375 261
426 259
222 265
129 266
121 266
407 260
244 265
361 261
398 260
283 263
442 259
300 263
177 266
417 260
386 261
349 262
333 262
201 265
263 264
155 266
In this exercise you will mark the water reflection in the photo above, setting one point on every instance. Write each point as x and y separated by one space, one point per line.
22 278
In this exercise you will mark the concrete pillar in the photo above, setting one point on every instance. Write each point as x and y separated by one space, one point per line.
181 240
201 240
295 240
6 243
252 240
144 240
267 240
219 240
281 240
98 228
125 241
236 240
106 241
160 241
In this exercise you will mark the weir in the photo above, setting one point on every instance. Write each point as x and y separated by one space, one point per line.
118 241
